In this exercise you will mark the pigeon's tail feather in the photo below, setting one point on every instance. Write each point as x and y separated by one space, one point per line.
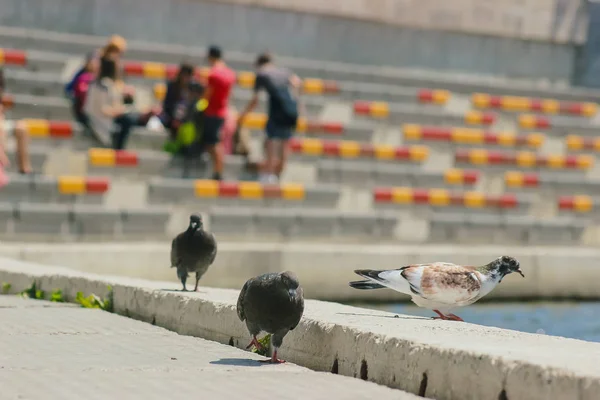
365 285
392 279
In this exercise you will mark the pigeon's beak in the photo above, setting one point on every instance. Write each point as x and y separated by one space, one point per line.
520 273
292 292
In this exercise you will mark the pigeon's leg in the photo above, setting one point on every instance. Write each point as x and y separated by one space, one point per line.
255 343
197 280
183 279
273 359
441 316
455 317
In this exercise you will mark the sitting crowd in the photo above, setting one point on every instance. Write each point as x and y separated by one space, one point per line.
195 113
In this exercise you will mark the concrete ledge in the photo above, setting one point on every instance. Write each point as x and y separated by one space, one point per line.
324 269
439 359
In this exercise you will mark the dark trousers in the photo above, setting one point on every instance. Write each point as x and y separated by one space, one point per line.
125 122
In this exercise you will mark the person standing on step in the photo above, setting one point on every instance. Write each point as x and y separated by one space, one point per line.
218 89
282 87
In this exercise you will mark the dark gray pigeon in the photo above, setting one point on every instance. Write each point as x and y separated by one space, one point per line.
272 303
193 251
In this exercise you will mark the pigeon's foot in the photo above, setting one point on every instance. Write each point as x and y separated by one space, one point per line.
449 317
441 316
184 289
256 344
273 359
454 317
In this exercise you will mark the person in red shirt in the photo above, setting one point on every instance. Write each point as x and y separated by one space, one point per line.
218 88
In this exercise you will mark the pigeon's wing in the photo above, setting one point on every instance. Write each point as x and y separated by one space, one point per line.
443 282
300 309
214 252
240 302
174 253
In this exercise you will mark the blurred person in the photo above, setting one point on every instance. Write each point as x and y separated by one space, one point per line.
115 46
110 118
282 87
22 139
218 89
175 99
80 87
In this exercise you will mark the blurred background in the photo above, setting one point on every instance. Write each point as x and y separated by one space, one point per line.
429 130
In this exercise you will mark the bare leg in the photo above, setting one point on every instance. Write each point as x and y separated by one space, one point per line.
269 165
216 153
255 343
183 279
273 359
282 151
22 149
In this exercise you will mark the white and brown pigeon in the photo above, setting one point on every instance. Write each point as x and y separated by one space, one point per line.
272 303
193 250
441 286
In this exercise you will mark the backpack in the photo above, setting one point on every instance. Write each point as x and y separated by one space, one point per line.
288 106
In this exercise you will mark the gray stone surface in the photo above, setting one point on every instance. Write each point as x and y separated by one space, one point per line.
62 351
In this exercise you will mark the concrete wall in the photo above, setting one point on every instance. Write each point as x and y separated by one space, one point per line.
531 40
325 270
422 356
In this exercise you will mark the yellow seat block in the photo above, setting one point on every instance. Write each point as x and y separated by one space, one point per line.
590 109
513 179
301 125
412 132
473 117
160 90
292 191
574 142
312 147
255 121
206 188
246 79
514 103
585 162
474 200
380 109
527 121
402 195
37 127
478 157
507 139
526 159
454 176
349 149
71 185
439 197
101 157
556 161
467 136
440 96
536 139
583 203
384 152
251 190
312 86
419 153
480 100
550 106
155 70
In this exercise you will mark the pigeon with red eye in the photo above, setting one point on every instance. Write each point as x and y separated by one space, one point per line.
439 286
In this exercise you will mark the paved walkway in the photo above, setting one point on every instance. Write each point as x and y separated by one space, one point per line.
62 351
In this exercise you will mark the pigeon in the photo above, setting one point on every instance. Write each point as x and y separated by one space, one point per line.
273 303
441 286
193 250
